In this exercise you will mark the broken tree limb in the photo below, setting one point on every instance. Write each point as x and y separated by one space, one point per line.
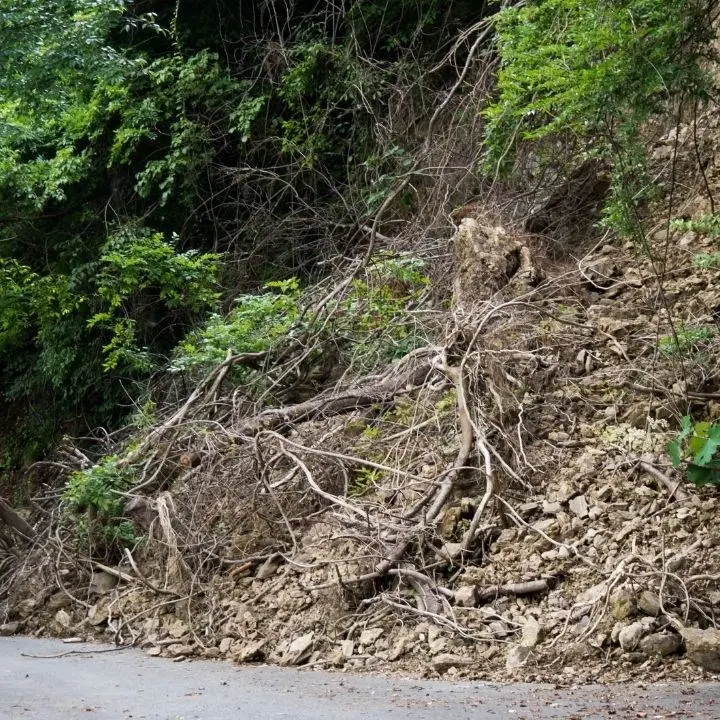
211 381
14 521
419 366
672 487
520 588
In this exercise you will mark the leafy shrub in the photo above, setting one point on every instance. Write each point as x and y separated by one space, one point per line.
373 323
255 324
686 340
376 316
137 262
695 450
596 71
94 504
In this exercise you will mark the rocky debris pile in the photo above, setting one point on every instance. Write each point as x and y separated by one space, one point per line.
602 577
502 508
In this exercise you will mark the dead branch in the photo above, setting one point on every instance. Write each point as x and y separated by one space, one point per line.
14 521
510 589
673 487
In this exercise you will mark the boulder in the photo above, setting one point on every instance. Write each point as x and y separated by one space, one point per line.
703 647
660 644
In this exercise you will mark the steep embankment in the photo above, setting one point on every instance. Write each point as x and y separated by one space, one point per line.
498 503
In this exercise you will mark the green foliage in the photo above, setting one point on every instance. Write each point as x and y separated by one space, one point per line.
596 71
706 224
364 479
695 450
376 317
707 261
141 142
133 262
374 322
370 432
686 340
255 324
93 503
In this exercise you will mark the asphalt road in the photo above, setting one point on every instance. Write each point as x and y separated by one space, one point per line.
128 685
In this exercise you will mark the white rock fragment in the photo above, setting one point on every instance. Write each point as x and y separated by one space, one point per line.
578 506
631 635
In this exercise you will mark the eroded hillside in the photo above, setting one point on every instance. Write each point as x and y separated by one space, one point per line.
446 456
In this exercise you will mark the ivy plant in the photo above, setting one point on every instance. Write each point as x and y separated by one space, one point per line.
695 450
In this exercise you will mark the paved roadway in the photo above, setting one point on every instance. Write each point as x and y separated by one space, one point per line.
128 685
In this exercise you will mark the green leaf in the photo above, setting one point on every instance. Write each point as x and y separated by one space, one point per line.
673 450
700 476
710 446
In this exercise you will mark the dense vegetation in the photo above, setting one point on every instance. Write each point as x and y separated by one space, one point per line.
159 160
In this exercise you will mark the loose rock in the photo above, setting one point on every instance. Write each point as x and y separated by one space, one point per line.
442 663
9 628
531 633
660 644
649 603
703 647
300 648
517 657
630 636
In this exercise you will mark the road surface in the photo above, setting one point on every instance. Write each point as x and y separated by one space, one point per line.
128 685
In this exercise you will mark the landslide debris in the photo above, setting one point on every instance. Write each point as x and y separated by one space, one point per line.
496 503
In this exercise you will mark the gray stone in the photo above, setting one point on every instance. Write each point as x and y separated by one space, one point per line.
660 644
466 596
551 508
252 651
57 601
649 603
400 647
578 506
177 629
9 628
517 657
180 650
26 607
225 645
98 614
266 570
545 525
532 633
498 628
631 635
102 582
442 663
369 636
437 646
703 647
347 647
62 619
622 604
300 648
